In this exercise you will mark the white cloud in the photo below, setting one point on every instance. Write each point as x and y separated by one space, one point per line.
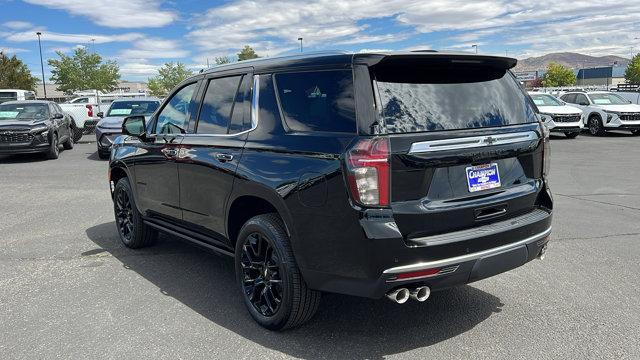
139 69
70 38
115 13
541 26
154 48
11 50
17 25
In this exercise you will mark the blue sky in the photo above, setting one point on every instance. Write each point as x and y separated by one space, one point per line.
141 35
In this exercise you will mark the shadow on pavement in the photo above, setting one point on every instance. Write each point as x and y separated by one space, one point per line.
344 327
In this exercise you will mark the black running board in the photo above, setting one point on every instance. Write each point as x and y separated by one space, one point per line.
192 239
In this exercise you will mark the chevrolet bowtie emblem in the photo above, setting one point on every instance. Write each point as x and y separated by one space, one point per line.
490 140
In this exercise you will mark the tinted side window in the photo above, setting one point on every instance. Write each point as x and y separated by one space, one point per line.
173 117
217 105
318 101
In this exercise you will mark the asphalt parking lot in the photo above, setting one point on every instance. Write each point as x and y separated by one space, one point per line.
69 289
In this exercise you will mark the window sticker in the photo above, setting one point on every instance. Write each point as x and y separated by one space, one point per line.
316 93
120 111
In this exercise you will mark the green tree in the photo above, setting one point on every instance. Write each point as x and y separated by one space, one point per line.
14 74
632 74
169 75
84 71
558 75
222 60
247 53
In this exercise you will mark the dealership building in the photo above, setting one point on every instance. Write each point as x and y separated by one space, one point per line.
53 93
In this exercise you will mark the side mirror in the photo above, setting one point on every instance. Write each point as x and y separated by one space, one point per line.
583 103
58 116
134 126
100 114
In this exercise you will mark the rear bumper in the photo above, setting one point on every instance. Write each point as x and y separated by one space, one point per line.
391 263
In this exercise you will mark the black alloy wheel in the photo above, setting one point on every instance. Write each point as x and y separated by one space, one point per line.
273 289
124 215
262 283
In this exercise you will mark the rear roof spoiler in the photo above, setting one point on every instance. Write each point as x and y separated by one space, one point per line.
374 59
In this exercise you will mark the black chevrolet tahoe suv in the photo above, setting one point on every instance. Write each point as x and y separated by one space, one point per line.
366 174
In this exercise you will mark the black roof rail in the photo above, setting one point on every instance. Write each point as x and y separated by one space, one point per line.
425 50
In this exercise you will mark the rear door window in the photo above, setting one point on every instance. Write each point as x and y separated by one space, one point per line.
218 105
317 100
450 98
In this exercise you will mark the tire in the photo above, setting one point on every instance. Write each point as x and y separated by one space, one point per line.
77 134
595 126
131 229
572 135
103 155
636 132
68 145
54 150
263 255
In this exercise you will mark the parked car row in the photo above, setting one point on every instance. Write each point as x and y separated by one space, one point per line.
597 111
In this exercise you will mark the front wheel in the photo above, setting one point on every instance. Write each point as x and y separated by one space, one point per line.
572 135
595 126
133 233
68 145
77 134
54 150
272 286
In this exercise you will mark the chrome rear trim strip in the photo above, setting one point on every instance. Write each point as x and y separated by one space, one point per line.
472 142
467 257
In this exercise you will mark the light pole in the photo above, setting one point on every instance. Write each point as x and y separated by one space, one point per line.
475 46
93 45
300 39
44 86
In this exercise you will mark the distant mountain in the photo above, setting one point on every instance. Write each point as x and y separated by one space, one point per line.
572 60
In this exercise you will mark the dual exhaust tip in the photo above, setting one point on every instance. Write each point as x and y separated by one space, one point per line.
401 295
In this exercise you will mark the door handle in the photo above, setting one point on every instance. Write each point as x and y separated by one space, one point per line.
170 152
224 157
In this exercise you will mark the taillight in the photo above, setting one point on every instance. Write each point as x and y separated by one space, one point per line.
546 151
89 110
369 172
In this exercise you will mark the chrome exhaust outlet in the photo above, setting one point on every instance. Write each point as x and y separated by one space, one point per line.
400 295
421 293
542 252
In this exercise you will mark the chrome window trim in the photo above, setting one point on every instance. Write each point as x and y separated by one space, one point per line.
467 257
255 97
472 142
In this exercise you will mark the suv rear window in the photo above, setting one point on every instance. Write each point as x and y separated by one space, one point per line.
317 100
432 98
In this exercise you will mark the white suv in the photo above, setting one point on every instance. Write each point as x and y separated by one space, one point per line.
604 110
557 115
